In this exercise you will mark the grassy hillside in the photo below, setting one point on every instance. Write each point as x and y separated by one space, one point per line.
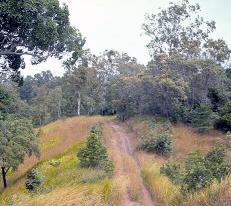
184 140
66 183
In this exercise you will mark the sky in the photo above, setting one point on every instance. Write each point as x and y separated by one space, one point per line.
116 24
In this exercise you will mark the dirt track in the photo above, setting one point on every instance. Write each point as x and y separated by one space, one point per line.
127 167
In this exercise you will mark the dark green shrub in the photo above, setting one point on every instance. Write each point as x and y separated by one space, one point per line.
33 180
202 118
215 161
197 175
173 172
94 154
97 130
199 170
160 144
225 116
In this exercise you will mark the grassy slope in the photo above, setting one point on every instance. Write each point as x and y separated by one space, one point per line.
66 184
185 140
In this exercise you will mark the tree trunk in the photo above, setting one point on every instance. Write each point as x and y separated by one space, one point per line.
4 177
78 103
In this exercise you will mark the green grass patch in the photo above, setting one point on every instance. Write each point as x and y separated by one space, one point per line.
50 143
67 173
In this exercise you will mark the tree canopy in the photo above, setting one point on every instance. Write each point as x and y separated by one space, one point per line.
17 139
39 28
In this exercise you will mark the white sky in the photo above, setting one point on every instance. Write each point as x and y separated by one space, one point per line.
116 24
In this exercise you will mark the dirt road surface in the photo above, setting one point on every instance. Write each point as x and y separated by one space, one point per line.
127 167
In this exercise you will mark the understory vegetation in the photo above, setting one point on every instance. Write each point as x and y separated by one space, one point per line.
177 106
196 175
61 178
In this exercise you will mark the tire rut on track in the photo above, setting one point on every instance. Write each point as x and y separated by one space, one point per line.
120 141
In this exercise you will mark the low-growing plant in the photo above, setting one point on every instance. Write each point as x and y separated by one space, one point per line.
172 171
199 171
54 163
196 175
203 118
94 154
33 180
160 144
215 161
107 166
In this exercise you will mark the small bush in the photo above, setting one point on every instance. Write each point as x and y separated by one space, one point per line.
199 170
157 144
33 180
196 175
215 161
203 118
94 154
173 172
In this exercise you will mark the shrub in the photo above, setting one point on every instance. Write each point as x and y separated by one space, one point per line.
199 170
202 118
173 172
225 116
196 175
33 180
97 130
160 144
94 154
215 161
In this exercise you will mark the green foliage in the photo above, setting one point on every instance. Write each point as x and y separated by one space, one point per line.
199 170
202 118
180 30
160 144
107 165
54 163
17 139
94 154
172 171
41 29
33 180
97 130
225 113
214 160
197 175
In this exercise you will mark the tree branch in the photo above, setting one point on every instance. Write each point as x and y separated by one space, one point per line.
16 53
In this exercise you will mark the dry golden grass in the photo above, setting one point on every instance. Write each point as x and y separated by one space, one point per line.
185 140
67 184
66 133
163 191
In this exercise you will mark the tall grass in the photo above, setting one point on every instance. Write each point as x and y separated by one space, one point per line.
66 183
162 190
185 140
